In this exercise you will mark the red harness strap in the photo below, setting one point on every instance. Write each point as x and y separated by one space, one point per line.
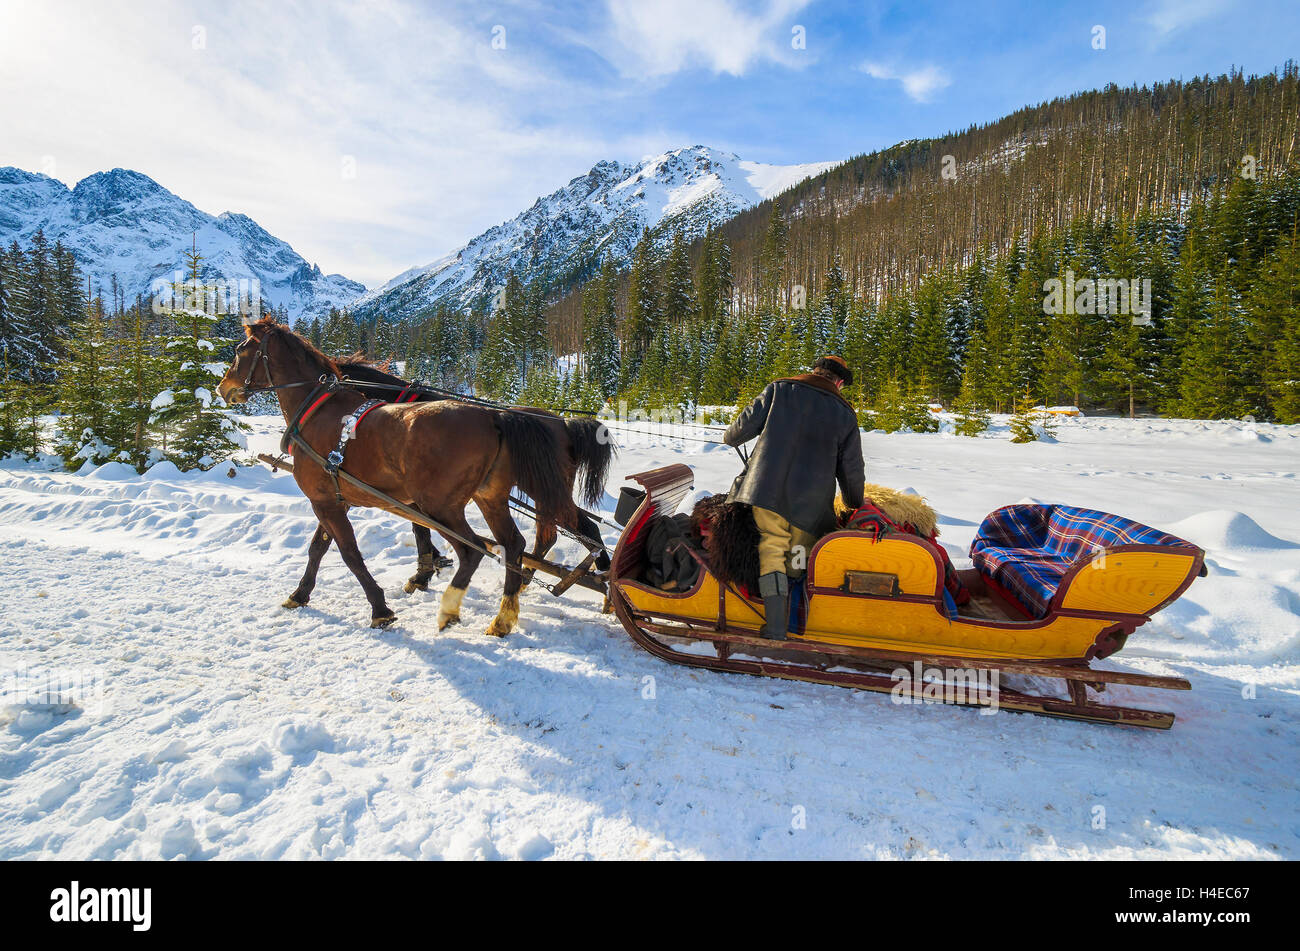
311 409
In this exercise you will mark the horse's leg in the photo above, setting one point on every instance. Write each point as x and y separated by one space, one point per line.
335 519
497 514
320 543
542 544
467 562
427 566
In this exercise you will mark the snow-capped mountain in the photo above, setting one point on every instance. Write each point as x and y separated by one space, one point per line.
124 223
595 216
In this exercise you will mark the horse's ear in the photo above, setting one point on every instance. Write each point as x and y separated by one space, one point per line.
248 330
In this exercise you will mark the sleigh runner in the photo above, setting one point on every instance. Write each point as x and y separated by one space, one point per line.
1047 601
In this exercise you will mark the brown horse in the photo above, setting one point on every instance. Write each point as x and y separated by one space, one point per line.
584 439
435 457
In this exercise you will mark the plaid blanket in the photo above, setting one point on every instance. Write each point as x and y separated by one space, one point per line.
1027 549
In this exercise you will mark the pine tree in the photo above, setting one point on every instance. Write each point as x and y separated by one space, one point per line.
772 259
1030 423
600 335
131 390
22 402
830 316
497 369
1273 320
11 411
533 332
340 334
678 300
201 433
644 316
933 366
970 417
81 393
15 335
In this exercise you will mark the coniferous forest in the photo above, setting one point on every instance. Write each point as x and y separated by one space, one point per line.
128 383
1128 251
1168 213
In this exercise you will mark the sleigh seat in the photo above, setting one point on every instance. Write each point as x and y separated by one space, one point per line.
1033 555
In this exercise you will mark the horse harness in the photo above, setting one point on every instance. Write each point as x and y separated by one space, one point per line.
349 430
326 387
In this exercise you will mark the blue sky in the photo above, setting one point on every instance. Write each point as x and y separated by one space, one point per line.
377 136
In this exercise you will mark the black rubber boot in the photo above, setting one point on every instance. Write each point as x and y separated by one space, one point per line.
775 589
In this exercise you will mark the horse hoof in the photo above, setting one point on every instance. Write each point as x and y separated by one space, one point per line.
414 586
383 620
499 628
447 620
292 603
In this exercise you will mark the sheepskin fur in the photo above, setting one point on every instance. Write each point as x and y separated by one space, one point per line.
899 506
733 549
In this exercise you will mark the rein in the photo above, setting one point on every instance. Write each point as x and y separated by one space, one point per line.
427 390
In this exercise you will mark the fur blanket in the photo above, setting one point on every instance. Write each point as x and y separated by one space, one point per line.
899 506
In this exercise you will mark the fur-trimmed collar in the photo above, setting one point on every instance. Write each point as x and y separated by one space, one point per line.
821 383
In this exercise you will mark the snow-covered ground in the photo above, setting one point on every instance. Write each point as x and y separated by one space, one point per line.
212 723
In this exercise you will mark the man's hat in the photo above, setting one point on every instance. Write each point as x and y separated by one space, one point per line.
835 365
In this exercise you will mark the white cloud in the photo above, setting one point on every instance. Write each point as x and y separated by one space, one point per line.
664 37
1167 16
920 83
260 120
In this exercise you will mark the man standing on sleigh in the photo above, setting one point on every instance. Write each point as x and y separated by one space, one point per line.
807 442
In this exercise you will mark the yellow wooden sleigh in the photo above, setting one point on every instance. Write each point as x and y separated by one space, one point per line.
874 605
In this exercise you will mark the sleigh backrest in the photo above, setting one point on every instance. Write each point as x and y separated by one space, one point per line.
664 490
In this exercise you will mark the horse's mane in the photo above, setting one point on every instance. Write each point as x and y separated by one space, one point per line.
359 368
270 323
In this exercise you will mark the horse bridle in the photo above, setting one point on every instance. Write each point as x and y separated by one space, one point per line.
261 359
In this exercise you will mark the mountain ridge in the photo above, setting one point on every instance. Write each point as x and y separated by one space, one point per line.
595 215
123 223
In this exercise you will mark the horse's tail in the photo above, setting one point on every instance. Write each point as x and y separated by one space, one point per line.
539 468
593 451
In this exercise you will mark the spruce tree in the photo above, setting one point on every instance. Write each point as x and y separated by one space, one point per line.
199 432
678 300
772 260
137 378
644 316
82 393
970 417
1028 423
600 334
497 369
1272 311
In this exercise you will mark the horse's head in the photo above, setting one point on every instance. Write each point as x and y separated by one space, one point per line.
270 357
250 353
